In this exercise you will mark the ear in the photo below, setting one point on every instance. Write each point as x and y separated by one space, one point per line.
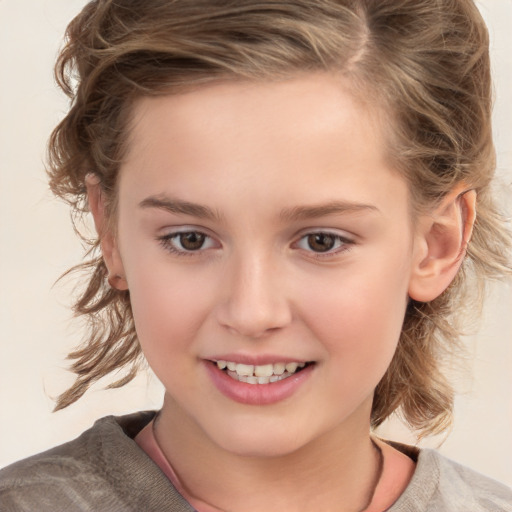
109 249
440 244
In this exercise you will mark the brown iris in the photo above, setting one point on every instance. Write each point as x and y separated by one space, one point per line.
321 242
192 241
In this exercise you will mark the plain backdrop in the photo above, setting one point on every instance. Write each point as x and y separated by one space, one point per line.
37 244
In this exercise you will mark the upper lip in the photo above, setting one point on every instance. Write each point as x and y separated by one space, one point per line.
257 360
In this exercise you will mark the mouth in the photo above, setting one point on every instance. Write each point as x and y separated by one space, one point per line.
260 374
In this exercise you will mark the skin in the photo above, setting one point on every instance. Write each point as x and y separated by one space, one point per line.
253 154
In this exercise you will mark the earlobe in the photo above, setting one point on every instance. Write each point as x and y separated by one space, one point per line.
441 243
108 242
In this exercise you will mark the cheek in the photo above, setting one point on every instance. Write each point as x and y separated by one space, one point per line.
359 329
168 305
358 315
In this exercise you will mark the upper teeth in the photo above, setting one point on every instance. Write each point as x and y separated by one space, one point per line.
264 370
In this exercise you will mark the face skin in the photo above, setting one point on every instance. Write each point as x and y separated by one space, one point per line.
253 154
266 166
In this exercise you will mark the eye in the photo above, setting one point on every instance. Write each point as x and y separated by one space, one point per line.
323 242
186 242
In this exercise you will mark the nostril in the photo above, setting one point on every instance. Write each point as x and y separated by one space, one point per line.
253 307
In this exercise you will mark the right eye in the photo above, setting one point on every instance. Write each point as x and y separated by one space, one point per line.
187 242
324 243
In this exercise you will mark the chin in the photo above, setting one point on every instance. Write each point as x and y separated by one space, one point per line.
261 439
261 447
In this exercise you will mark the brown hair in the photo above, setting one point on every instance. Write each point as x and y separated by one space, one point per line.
424 61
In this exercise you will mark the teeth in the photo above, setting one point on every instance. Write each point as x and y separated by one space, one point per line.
291 367
264 371
259 374
245 369
279 368
251 379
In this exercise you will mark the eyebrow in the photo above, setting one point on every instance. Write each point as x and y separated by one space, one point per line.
180 207
288 214
321 210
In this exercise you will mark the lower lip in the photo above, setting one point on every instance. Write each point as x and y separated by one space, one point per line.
257 394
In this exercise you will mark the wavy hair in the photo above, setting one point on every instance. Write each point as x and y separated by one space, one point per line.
425 62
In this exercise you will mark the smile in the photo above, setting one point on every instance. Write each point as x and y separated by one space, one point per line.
258 384
259 374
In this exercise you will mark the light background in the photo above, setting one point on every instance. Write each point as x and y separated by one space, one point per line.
37 244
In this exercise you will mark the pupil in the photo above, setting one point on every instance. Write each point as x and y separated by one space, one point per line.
192 241
320 242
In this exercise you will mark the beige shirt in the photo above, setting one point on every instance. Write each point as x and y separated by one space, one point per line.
105 470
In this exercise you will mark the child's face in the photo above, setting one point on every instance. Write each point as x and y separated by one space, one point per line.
296 245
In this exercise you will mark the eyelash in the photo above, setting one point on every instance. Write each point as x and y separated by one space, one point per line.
168 242
344 244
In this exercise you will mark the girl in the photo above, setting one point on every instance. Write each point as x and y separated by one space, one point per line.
289 199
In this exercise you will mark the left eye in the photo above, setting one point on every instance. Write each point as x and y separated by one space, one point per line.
322 242
187 241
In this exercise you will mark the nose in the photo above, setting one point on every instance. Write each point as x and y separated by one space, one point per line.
255 302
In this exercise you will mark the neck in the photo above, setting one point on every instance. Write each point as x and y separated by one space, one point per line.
336 471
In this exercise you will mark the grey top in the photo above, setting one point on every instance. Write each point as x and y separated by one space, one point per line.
105 470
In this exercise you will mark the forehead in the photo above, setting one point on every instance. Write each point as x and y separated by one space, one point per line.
296 136
309 104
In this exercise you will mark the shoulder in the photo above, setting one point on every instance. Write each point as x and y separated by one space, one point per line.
103 469
442 485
